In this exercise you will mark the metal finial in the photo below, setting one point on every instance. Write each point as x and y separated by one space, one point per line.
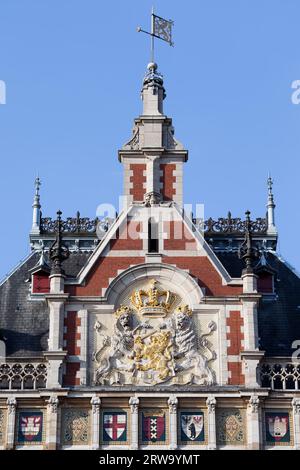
246 251
270 183
58 252
37 184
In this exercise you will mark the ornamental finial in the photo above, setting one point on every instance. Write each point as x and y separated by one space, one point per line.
58 252
36 206
271 206
246 251
37 185
270 183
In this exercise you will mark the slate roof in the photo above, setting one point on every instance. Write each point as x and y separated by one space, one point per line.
24 322
278 318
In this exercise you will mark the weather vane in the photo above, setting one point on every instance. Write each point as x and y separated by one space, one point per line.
160 29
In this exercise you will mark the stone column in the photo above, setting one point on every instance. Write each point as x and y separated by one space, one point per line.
11 422
296 420
251 361
52 421
134 408
251 355
253 423
211 418
173 403
96 403
55 354
54 373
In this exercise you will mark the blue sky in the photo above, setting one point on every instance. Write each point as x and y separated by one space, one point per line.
73 71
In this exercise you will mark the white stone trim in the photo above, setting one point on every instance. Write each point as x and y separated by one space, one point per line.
83 344
193 292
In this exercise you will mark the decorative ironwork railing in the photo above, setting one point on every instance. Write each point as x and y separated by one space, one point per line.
229 225
280 375
70 225
223 225
26 376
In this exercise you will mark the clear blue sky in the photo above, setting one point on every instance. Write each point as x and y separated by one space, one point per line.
73 71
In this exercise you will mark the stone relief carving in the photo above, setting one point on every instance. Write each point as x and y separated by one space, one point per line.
120 347
134 142
164 349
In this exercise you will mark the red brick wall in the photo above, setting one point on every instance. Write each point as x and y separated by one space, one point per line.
167 179
236 376
174 230
72 334
127 237
70 378
40 283
72 323
204 272
138 179
234 323
99 275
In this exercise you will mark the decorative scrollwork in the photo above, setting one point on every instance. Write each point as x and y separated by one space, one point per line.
76 225
231 225
23 376
223 225
70 225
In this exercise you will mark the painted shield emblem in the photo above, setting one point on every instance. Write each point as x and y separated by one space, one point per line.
192 426
30 427
114 426
277 427
153 428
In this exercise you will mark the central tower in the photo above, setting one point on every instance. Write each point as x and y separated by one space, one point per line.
153 159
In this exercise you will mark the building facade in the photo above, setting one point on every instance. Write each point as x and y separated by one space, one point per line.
151 329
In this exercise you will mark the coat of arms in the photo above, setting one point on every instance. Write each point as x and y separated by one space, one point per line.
114 426
154 341
30 427
192 426
153 427
277 427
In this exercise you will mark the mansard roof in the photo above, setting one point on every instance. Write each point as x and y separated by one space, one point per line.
24 319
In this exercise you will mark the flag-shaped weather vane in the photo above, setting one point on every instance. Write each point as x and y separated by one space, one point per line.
160 29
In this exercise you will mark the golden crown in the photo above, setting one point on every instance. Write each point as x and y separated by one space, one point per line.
121 310
184 309
153 302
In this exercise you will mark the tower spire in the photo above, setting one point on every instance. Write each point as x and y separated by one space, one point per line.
271 206
36 215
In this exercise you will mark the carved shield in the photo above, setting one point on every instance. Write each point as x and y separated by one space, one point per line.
192 426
